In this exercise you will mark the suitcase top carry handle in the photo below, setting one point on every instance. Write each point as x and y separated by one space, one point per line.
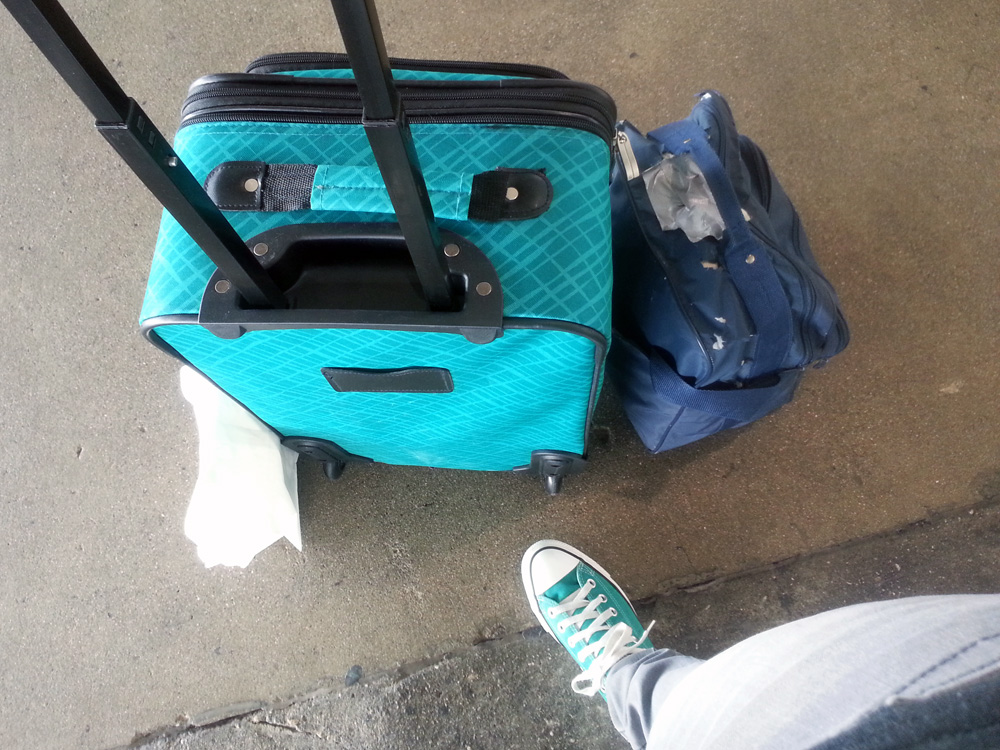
127 128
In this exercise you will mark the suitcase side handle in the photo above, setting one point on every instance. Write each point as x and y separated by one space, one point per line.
130 132
358 276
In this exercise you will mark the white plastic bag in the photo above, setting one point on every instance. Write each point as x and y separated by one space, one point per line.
246 497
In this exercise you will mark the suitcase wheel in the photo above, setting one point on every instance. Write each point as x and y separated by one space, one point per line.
334 470
553 467
332 456
553 483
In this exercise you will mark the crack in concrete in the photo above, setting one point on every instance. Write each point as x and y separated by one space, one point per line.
802 534
187 725
257 712
686 555
931 517
288 727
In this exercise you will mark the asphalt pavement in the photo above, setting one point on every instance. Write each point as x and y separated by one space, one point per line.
513 691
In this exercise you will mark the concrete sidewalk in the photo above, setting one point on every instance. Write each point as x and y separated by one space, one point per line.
514 692
883 124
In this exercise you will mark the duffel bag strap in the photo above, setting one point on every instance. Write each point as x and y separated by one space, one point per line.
747 261
740 404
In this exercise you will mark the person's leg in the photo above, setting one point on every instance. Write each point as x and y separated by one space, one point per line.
827 681
637 687
581 606
856 677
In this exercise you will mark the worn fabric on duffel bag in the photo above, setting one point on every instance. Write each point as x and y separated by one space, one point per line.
714 319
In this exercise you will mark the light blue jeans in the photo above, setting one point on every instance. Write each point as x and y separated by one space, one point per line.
911 673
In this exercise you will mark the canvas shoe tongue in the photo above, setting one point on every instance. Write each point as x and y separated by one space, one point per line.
611 628
577 582
566 586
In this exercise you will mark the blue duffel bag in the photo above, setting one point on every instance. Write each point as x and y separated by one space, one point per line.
718 301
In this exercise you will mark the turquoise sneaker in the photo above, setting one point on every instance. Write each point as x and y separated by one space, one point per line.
582 607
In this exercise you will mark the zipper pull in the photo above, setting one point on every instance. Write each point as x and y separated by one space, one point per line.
627 155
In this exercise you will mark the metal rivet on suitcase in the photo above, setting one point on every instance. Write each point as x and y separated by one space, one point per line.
750 259
222 286
451 250
251 185
483 288
260 248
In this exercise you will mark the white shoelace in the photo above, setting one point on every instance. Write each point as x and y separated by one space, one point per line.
616 643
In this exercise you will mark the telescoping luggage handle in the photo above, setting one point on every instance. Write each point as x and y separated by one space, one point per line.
389 135
126 127
129 130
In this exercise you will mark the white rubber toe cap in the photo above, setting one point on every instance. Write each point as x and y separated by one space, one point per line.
545 563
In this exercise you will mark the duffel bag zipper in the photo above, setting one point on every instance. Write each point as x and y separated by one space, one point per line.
277 101
759 174
627 155
292 61
808 291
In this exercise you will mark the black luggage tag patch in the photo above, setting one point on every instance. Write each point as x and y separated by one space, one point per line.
510 195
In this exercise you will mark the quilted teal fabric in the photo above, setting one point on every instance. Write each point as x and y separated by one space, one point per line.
363 189
528 390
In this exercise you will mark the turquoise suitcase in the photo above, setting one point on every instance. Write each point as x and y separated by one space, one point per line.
362 358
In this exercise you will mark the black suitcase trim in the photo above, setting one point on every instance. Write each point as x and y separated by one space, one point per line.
287 62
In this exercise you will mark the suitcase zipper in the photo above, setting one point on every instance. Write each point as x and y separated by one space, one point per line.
350 93
443 119
553 103
293 61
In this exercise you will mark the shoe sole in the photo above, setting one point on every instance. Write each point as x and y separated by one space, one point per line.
529 589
